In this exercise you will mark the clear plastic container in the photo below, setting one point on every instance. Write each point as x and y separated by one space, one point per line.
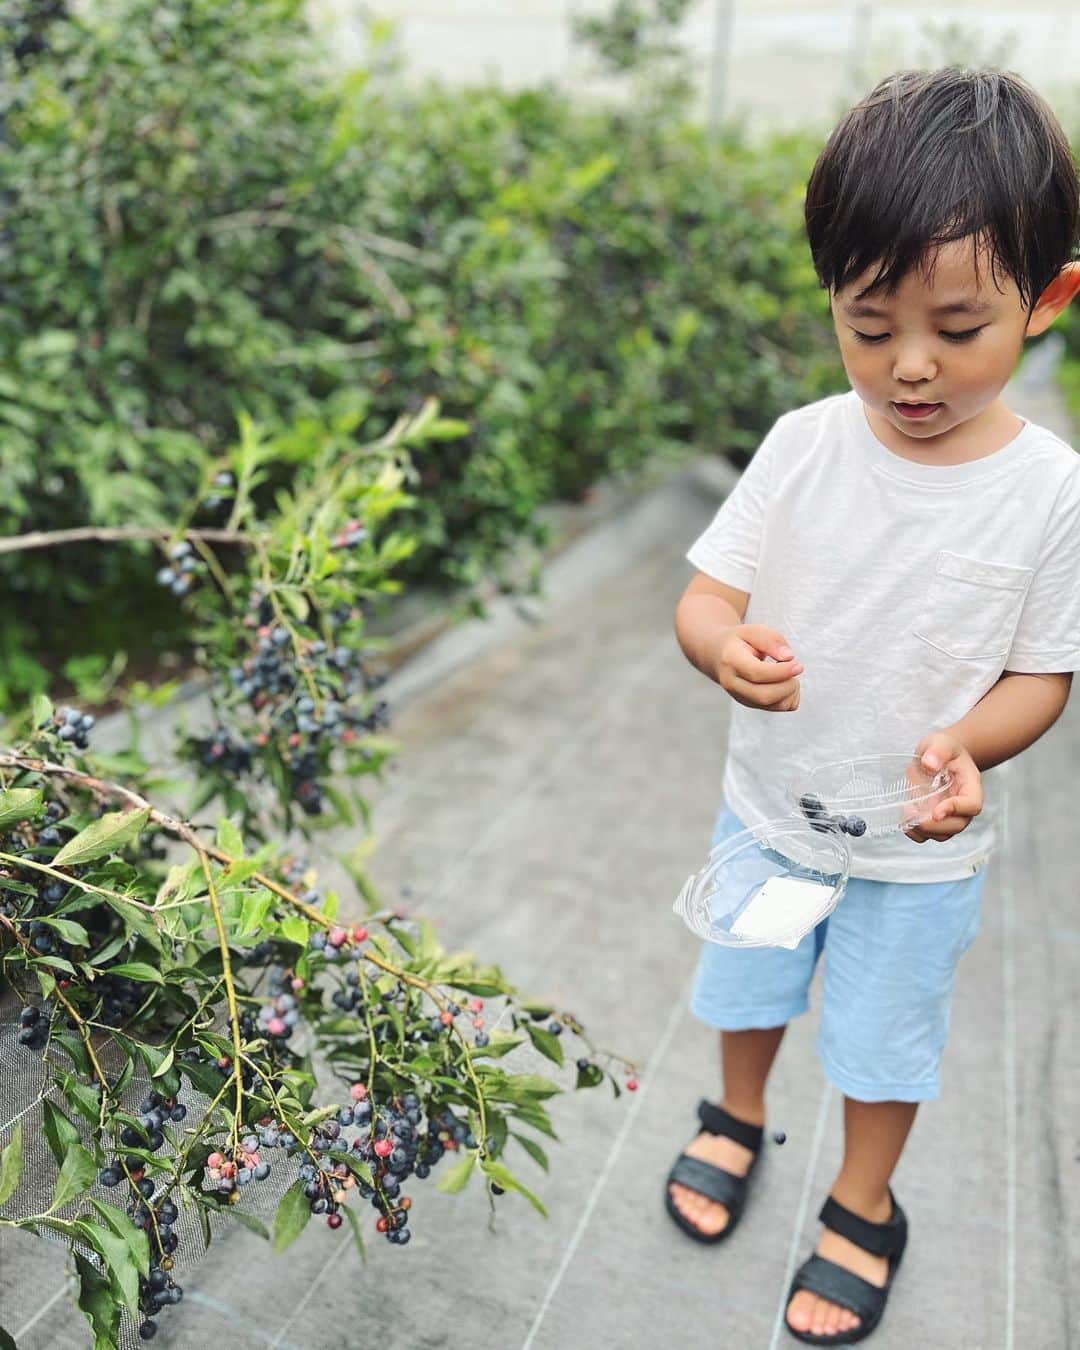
768 886
874 795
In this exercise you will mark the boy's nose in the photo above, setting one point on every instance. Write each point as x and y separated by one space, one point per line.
913 368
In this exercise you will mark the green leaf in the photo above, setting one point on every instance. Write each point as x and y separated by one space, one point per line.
123 1274
354 1224
501 1176
68 929
97 1302
545 1042
204 1078
42 711
135 1239
86 1100
253 912
11 1161
524 1087
7 1341
292 1215
501 1043
77 1173
458 1177
250 1222
111 832
229 838
532 1148
19 804
294 929
137 970
60 1133
76 1050
591 1076
537 1117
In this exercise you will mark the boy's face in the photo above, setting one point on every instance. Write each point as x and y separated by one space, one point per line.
951 363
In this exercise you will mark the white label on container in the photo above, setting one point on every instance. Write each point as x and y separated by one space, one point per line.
783 911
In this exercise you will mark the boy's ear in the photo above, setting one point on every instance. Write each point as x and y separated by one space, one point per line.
1054 299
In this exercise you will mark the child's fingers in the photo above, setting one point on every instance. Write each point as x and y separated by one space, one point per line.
767 641
748 666
966 807
767 696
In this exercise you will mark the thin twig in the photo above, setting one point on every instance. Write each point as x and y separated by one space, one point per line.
115 534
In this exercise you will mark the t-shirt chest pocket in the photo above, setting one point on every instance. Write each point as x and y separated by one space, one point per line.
971 607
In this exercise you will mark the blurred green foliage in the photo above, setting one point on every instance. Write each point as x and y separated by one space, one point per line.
202 217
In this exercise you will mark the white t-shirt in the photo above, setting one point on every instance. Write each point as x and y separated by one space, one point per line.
905 590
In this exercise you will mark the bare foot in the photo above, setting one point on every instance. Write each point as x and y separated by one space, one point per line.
809 1312
706 1215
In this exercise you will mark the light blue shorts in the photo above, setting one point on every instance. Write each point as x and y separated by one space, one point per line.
891 950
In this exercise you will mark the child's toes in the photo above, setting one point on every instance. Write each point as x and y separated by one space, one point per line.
819 1322
801 1310
834 1316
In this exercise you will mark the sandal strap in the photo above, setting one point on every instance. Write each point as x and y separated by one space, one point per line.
843 1287
718 1121
711 1181
880 1239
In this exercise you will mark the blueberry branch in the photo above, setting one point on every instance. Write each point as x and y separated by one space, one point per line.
116 534
230 990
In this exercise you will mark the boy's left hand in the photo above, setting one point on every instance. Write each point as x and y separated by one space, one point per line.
937 751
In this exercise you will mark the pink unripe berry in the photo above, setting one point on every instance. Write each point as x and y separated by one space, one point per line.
383 1148
297 984
631 1085
338 937
359 934
276 1026
477 1005
446 1018
358 1092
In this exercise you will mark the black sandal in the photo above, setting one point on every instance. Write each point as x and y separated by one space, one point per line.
711 1181
830 1281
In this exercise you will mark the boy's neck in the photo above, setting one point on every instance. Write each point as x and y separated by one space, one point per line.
982 435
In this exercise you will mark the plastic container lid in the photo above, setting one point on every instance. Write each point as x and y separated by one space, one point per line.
769 885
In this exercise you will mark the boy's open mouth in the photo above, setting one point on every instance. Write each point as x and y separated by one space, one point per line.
917 409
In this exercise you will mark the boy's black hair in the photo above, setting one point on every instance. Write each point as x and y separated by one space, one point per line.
929 157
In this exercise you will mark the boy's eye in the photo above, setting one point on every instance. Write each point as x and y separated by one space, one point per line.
965 336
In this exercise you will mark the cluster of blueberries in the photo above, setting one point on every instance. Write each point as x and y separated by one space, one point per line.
336 945
33 1028
226 1174
391 1141
119 996
273 681
71 725
179 576
222 495
155 1111
278 1017
820 819
157 1289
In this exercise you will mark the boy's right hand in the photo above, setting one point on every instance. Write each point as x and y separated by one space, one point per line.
758 668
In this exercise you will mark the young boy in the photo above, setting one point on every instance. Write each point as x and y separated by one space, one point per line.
897 569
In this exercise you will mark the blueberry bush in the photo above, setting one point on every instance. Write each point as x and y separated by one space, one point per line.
204 218
214 1031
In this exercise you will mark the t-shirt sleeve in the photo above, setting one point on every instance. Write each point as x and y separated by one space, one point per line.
728 549
1047 638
